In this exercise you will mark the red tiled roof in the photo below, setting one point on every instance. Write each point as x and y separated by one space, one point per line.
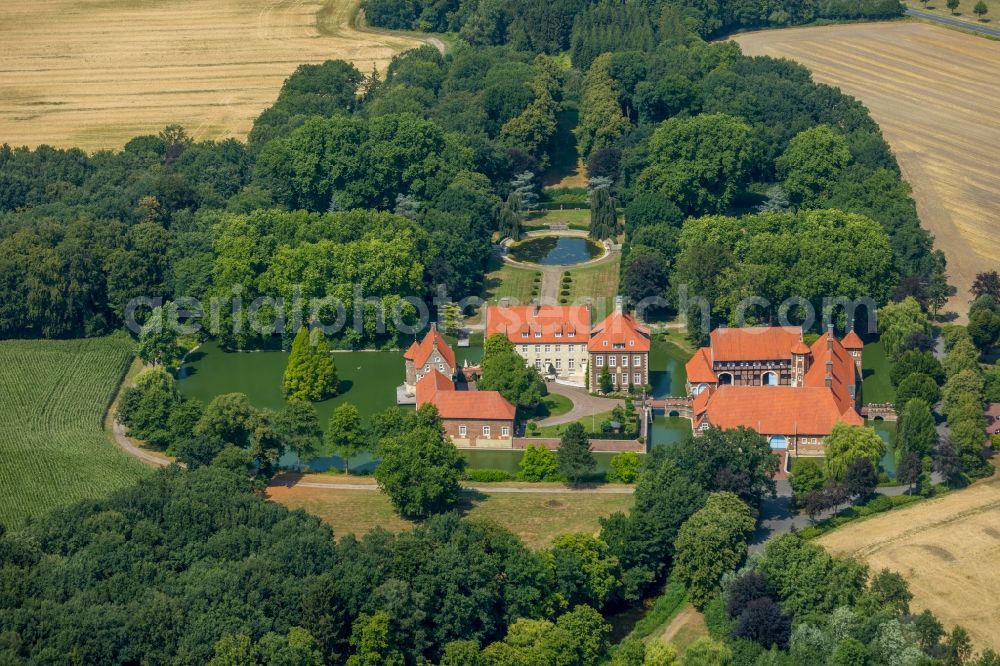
419 352
699 368
438 390
843 370
570 322
800 348
757 343
619 329
774 410
852 341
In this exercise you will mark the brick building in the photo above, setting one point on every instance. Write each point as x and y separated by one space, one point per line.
431 353
620 345
472 419
768 379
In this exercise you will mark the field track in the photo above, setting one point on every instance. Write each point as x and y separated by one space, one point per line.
935 93
94 73
53 448
947 548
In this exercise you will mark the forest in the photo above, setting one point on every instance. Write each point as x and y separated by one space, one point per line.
449 150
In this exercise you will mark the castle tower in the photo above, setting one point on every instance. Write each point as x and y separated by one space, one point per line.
855 346
800 363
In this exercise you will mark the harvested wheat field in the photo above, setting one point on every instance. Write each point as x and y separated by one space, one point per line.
94 73
947 548
935 93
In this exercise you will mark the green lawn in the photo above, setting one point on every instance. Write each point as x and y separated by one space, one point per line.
876 385
553 405
590 424
53 397
511 282
575 218
599 282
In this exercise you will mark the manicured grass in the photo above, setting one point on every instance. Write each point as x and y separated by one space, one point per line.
553 405
876 386
53 397
590 424
598 282
536 517
511 282
965 13
575 218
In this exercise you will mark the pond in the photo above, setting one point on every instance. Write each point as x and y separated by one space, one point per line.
555 250
368 379
887 431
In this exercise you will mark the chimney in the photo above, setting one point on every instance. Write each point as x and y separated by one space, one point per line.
829 374
829 337
504 302
618 304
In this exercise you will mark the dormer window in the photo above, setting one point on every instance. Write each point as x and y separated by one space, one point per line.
571 333
558 334
524 334
605 343
538 333
631 343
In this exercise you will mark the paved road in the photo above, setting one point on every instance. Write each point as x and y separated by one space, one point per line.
584 404
776 517
953 22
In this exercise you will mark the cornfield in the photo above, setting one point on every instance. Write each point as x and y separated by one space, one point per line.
53 447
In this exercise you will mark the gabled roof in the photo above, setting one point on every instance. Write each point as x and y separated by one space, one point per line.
774 410
699 368
438 390
843 371
852 341
619 329
756 343
419 352
569 324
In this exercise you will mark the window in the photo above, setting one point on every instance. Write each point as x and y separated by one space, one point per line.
548 348
605 343
427 368
558 364
614 380
637 361
558 334
524 348
538 349
538 333
571 334
538 364
486 431
505 431
631 343
462 430
558 348
624 361
612 360
637 378
600 361
440 367
571 364
524 334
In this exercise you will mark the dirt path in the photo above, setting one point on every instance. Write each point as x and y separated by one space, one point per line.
688 620
125 442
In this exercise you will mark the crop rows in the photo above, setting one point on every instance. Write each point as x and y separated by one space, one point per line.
53 448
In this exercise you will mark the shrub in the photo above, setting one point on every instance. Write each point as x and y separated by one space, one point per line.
488 475
624 467
564 292
537 464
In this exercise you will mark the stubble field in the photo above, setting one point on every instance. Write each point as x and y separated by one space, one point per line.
947 548
935 93
94 73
